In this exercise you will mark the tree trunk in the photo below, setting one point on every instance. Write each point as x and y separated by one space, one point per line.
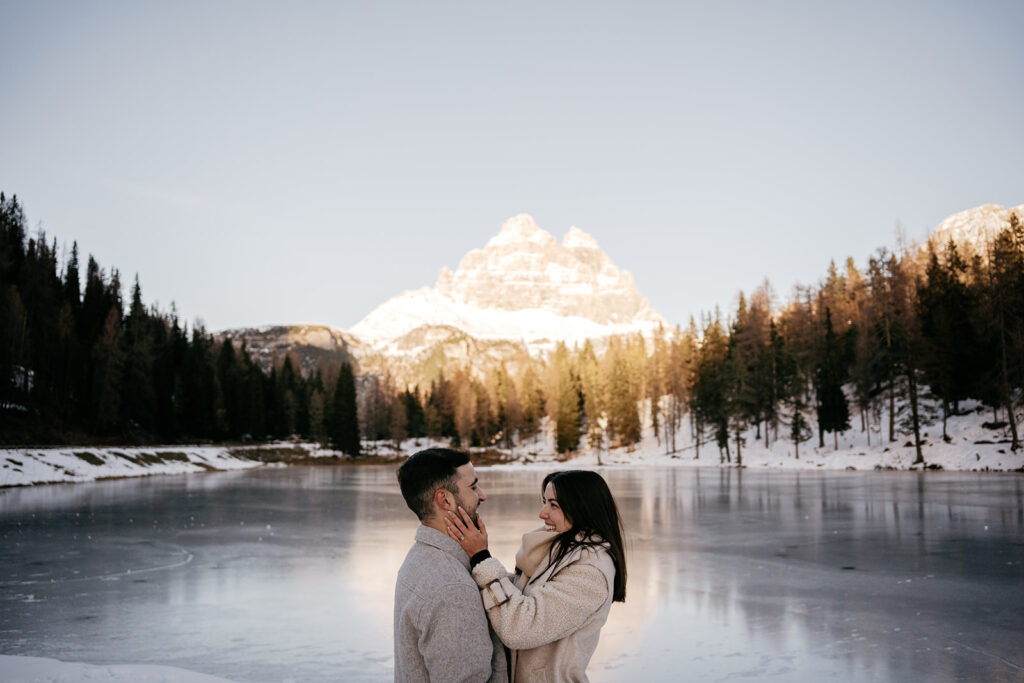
1015 443
739 450
821 435
835 440
945 419
1008 397
912 387
867 420
696 433
892 407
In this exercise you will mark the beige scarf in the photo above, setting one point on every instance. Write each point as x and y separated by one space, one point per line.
534 550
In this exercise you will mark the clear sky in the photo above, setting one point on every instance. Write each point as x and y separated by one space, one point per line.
303 162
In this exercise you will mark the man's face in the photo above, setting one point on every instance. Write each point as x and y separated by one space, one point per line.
470 494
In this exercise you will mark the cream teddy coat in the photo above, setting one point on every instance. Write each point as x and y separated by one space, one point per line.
550 620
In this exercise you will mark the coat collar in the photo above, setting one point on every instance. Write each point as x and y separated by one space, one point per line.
545 567
433 537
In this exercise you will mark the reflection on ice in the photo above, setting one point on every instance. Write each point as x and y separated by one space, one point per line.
276 574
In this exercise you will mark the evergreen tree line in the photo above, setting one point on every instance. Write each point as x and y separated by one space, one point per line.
945 322
81 363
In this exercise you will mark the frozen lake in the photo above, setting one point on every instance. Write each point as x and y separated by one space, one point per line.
287 574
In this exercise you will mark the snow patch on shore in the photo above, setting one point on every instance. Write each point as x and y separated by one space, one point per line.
25 466
974 446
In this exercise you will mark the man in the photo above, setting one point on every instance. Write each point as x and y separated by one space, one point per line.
441 628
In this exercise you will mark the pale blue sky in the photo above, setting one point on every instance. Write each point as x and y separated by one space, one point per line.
303 162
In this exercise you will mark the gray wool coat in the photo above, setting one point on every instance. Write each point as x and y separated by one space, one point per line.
441 629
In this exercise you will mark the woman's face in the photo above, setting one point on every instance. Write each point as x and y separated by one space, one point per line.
551 513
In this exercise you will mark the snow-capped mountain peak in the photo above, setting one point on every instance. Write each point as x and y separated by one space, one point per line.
523 285
577 239
519 229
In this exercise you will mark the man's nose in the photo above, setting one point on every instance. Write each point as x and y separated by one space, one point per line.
481 495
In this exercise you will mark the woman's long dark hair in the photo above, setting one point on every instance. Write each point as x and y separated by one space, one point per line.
589 506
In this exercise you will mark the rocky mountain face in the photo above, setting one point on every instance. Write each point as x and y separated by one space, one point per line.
525 268
522 285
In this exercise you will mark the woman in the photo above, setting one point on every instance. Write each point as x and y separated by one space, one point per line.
549 613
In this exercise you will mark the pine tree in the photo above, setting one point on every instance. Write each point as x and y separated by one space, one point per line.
484 423
344 421
415 420
797 402
594 398
464 403
624 426
712 383
1004 318
950 348
509 412
830 375
137 350
563 401
531 399
677 381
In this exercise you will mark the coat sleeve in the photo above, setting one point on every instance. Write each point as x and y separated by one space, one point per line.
455 640
553 609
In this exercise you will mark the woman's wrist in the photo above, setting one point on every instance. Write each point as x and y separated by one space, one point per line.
479 557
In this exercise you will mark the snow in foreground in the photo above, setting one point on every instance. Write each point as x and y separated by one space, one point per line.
42 670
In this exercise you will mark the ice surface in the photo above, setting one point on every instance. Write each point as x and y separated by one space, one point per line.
42 670
287 574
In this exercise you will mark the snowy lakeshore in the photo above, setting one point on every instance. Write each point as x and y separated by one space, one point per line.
974 446
73 464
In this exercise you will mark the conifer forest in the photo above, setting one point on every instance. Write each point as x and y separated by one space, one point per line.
81 362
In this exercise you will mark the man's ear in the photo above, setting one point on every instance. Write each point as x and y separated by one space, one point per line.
441 499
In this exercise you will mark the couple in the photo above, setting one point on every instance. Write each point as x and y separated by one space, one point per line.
548 613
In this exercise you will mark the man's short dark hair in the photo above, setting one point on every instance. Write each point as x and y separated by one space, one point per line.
427 471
